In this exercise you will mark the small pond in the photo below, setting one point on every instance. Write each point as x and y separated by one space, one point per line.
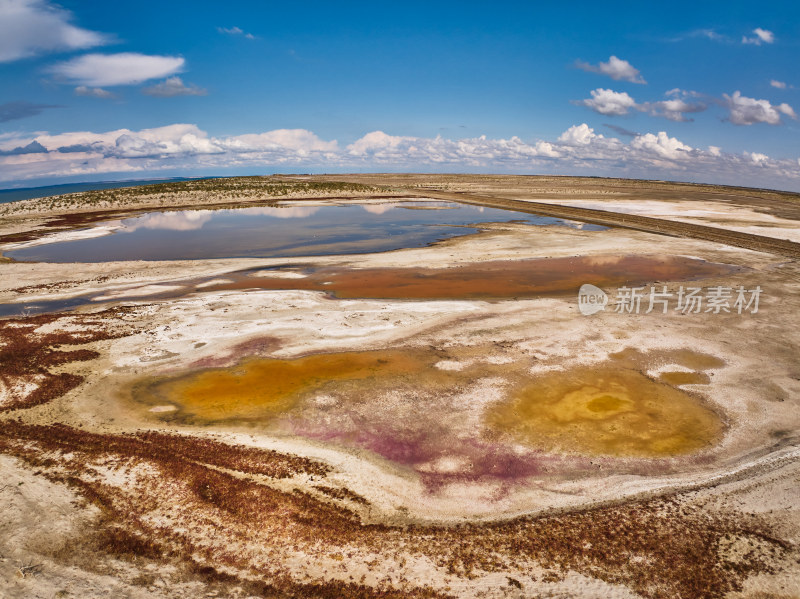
293 229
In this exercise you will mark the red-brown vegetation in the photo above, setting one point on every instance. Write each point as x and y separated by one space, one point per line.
27 357
195 500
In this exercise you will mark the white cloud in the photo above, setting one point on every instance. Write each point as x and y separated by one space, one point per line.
609 102
381 148
31 27
578 135
616 68
547 149
676 107
163 142
173 86
94 92
374 142
757 158
662 145
299 140
747 111
578 150
236 31
762 36
787 110
708 33
780 84
127 68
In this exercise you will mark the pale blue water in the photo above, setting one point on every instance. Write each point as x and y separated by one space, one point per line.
270 232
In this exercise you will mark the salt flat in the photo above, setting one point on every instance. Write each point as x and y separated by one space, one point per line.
376 447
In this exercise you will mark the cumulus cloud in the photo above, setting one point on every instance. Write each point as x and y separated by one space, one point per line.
163 142
779 84
747 111
675 107
380 148
31 27
236 31
11 111
662 145
578 135
757 158
608 102
173 86
578 150
126 68
616 68
302 141
762 36
94 92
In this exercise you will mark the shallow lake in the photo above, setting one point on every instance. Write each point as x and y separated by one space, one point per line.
287 230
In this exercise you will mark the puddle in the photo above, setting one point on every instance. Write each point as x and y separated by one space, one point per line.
41 307
606 410
486 280
292 229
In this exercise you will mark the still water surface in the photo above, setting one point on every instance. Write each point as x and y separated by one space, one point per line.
276 231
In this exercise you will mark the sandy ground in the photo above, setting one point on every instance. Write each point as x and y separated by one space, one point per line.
751 472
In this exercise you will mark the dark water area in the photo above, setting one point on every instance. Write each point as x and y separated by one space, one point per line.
24 309
278 231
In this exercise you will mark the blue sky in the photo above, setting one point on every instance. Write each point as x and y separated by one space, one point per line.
700 91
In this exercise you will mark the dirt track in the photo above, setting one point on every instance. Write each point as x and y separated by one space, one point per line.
630 221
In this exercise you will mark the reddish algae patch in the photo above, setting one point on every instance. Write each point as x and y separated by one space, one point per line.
489 280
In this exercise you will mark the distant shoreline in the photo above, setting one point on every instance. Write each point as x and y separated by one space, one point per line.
30 193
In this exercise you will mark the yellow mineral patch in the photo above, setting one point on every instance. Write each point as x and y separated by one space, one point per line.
606 411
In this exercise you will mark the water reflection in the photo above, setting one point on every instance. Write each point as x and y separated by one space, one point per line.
264 233
170 221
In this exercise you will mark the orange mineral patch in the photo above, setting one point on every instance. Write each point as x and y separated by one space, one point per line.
489 280
260 389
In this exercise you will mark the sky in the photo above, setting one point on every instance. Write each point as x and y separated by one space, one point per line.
689 91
